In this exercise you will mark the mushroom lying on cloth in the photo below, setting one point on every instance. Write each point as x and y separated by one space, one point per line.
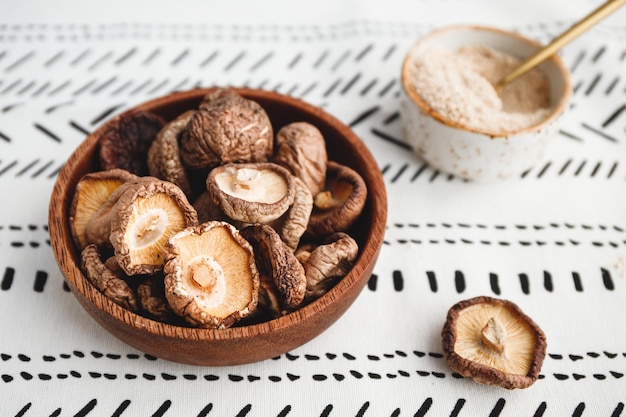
211 278
493 342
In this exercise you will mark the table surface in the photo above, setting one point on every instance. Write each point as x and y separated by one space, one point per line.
552 239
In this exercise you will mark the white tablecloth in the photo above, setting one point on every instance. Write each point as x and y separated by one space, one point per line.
553 240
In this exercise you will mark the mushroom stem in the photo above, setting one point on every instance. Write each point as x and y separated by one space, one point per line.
494 334
150 225
205 273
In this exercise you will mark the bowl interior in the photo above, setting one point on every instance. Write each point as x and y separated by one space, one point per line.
235 345
455 37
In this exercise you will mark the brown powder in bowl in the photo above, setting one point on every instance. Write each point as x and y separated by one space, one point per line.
459 86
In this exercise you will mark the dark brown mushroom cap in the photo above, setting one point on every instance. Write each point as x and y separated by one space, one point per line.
92 191
211 278
147 213
340 204
151 297
109 282
252 192
326 263
125 142
493 342
292 225
301 148
278 261
164 154
227 128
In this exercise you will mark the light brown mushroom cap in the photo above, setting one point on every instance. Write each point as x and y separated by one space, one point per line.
227 128
92 191
164 153
326 263
108 281
337 207
252 192
300 147
278 261
211 277
145 216
493 342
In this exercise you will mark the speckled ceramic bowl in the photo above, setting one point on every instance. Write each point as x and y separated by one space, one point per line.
460 150
235 345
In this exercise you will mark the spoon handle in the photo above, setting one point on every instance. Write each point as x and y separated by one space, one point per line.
563 39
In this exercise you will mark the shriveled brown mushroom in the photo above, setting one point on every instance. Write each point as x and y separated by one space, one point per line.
227 128
277 261
337 207
252 192
493 342
292 225
151 297
211 278
164 154
326 263
110 281
91 192
126 140
138 219
300 147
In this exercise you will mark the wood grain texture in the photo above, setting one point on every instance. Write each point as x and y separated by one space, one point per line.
237 345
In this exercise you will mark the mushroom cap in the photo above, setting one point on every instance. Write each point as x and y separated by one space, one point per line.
92 191
300 147
211 277
493 342
252 192
278 261
227 128
325 263
337 207
126 141
109 282
145 216
292 225
164 154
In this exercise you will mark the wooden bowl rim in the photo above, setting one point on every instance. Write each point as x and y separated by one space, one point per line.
67 255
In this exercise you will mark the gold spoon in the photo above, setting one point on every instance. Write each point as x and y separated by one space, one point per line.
563 39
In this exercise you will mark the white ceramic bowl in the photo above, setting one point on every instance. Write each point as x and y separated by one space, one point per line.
466 152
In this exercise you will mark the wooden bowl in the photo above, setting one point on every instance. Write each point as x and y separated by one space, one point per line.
237 345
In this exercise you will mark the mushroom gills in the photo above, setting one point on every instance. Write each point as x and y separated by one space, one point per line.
262 186
215 278
493 336
151 222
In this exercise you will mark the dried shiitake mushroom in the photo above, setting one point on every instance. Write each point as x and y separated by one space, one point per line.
340 203
251 192
151 297
164 153
292 225
277 261
493 342
211 278
92 191
226 128
138 219
300 147
107 278
325 263
125 142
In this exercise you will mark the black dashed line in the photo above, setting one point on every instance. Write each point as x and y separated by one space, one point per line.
60 88
100 61
368 87
593 84
350 83
140 87
47 132
390 139
126 56
11 86
104 85
340 61
389 52
570 136
386 88
25 88
152 56
234 61
399 173
80 57
296 59
611 86
20 61
41 89
577 281
580 168
614 115
261 61
5 137
599 133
